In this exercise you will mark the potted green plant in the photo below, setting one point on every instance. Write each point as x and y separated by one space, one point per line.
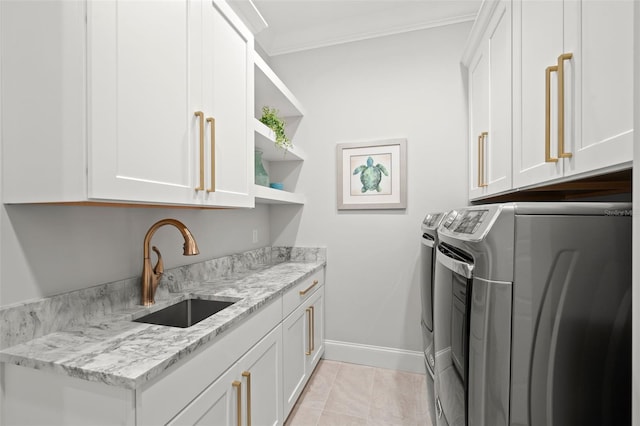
276 124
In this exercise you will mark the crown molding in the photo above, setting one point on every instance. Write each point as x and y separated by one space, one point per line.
300 41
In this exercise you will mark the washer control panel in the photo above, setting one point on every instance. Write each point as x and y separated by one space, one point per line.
471 223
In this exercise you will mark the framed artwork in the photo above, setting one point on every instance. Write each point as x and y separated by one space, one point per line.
372 175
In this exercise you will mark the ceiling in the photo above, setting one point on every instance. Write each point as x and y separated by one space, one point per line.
285 26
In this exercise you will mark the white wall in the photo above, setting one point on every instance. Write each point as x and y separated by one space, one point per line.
46 250
408 85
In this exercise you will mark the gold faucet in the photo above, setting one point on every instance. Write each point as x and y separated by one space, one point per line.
151 277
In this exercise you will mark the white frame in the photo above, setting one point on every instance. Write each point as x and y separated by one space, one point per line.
396 198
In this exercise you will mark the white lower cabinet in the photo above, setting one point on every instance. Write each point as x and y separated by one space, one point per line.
215 406
303 345
248 393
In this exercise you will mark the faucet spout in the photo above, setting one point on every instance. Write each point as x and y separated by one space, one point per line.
151 275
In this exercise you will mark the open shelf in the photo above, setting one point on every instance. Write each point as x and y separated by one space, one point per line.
265 142
271 91
266 195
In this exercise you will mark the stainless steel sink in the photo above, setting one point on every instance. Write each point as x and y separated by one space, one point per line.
186 313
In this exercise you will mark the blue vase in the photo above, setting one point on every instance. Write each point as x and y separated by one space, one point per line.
261 176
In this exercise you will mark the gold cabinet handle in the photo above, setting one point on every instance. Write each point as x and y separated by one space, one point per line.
236 384
547 116
308 352
305 291
561 59
212 188
200 115
247 375
313 328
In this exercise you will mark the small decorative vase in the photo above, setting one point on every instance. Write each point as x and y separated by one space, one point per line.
262 178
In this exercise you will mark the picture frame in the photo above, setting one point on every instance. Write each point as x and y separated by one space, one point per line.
372 175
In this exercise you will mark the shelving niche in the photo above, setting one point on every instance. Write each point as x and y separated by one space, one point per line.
282 166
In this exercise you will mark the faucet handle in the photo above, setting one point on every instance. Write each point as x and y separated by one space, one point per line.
158 270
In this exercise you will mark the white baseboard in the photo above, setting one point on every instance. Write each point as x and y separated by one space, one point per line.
375 356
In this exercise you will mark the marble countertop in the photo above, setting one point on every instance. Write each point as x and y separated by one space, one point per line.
117 351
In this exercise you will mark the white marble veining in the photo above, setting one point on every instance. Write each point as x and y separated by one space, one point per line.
110 348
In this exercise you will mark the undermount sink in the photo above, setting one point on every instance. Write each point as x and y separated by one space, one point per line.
186 313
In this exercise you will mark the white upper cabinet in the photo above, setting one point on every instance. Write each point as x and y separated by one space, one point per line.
537 44
120 124
599 34
573 74
228 100
489 78
142 131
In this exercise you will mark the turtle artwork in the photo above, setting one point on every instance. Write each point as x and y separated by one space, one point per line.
371 175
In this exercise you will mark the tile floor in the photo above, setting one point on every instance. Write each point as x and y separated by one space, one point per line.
341 394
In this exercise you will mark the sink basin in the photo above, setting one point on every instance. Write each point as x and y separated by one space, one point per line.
186 313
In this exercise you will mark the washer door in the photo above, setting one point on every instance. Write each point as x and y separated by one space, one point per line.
472 337
452 288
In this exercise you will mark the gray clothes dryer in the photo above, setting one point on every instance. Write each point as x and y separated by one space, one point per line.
536 301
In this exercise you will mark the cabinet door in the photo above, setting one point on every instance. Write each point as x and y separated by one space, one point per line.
490 108
143 89
478 118
599 127
261 376
228 98
537 42
295 338
217 405
498 141
248 393
303 346
316 303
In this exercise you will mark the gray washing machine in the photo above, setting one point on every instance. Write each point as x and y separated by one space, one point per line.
429 229
532 312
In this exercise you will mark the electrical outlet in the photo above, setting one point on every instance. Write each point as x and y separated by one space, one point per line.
255 236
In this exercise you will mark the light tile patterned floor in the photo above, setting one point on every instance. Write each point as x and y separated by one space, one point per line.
341 394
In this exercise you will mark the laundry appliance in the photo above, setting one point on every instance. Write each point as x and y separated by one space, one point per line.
429 231
532 315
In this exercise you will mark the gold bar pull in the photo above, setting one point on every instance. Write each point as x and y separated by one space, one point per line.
561 59
236 384
547 116
308 352
212 188
247 375
483 138
313 328
303 292
200 115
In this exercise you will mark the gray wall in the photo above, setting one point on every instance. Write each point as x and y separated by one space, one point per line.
46 250
407 85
